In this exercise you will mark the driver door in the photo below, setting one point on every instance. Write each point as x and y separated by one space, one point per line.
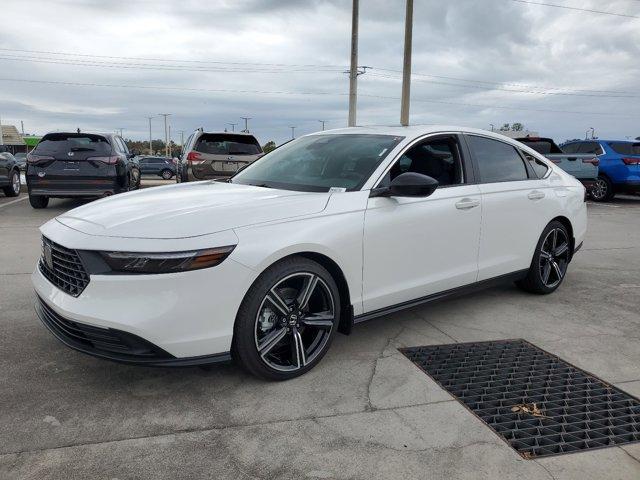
415 247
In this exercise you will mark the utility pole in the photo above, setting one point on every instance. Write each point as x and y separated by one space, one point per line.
246 124
353 72
492 127
181 132
322 122
150 140
166 134
406 68
1 137
170 149
120 130
22 127
233 126
293 132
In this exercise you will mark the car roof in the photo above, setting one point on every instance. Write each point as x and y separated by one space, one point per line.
226 133
414 131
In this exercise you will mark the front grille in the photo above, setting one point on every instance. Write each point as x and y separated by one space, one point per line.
63 268
108 342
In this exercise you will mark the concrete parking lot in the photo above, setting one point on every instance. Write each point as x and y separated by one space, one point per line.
365 412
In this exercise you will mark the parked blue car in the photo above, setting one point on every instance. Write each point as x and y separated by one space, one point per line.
161 166
619 166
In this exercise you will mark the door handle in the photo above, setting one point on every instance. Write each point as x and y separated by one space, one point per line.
536 195
467 204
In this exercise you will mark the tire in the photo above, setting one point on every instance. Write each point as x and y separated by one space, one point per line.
291 341
166 174
13 190
550 261
38 201
602 191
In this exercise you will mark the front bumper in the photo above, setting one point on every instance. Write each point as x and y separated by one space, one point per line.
185 315
115 345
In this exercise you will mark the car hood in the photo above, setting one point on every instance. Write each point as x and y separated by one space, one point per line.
190 210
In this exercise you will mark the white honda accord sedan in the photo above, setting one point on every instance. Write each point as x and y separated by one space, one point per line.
326 231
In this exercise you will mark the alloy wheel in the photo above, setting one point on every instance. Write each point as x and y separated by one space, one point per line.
554 257
599 189
294 322
15 183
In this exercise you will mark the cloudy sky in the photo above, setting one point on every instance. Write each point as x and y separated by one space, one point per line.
108 64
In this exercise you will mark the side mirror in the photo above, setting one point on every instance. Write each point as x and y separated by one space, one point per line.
408 184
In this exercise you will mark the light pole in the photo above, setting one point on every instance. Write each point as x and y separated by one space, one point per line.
492 127
406 68
293 132
246 124
120 130
1 136
233 126
150 140
353 71
322 122
166 134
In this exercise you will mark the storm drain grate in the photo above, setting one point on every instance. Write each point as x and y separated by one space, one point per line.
538 403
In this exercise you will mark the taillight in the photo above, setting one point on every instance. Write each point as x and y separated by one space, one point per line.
631 161
31 158
108 160
592 161
194 157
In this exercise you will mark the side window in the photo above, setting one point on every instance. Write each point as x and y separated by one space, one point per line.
123 145
591 147
538 166
570 148
497 161
439 159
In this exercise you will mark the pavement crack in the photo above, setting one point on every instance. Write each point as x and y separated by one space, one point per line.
369 406
545 468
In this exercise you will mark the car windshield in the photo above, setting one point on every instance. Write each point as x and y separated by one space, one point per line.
318 163
626 148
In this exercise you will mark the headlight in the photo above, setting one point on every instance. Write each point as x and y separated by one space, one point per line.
132 262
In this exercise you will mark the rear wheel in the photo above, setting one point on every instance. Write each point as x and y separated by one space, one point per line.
287 320
38 201
602 190
13 190
167 174
550 261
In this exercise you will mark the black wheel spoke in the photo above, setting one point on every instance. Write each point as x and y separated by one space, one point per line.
277 301
556 268
318 320
561 250
546 272
307 291
271 340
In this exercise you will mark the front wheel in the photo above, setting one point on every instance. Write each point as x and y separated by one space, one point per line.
38 201
287 320
602 190
13 190
550 261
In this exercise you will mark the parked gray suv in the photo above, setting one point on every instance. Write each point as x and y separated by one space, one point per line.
210 155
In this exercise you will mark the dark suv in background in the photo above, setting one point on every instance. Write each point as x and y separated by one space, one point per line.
65 165
161 166
9 175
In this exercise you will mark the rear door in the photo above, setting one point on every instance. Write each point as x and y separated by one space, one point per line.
65 155
4 168
223 154
515 203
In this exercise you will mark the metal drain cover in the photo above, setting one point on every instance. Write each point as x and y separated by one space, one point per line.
539 404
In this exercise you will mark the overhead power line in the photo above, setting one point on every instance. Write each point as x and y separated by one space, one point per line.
566 7
513 90
216 62
267 92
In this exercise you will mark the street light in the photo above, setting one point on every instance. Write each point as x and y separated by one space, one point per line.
166 134
233 126
150 141
293 130
322 122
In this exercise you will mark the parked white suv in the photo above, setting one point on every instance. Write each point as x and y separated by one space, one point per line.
210 155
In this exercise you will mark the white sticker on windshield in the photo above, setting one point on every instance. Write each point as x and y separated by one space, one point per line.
383 152
337 190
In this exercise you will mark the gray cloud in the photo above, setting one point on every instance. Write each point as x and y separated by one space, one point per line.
490 40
